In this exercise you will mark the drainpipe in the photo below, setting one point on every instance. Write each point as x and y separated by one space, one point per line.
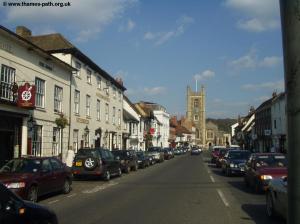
70 108
290 21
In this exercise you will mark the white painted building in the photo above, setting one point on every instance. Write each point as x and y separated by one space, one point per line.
24 131
279 123
96 101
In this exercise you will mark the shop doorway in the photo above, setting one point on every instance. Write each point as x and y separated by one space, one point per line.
6 146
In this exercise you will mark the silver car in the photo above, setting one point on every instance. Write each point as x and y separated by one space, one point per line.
276 198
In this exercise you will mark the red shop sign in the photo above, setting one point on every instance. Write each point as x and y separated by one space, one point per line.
26 96
152 130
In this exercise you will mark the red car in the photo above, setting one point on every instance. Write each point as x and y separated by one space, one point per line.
36 176
215 153
263 167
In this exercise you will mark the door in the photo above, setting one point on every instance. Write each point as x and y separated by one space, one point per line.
45 181
58 174
6 146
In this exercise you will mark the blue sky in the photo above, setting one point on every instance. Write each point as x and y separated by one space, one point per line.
158 47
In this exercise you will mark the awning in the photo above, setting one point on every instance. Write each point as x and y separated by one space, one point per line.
128 117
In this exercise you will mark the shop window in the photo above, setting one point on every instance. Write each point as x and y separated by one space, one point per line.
37 140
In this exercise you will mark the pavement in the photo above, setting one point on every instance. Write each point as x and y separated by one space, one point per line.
184 190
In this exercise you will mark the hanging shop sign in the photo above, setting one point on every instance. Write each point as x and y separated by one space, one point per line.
26 96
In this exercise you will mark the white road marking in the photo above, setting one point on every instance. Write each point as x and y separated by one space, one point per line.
223 198
212 178
52 202
99 188
72 195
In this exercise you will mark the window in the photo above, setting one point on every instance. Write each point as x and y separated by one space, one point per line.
56 165
75 140
78 67
55 141
196 103
114 116
37 140
40 93
196 118
114 92
88 106
89 76
98 111
106 112
275 124
119 117
107 88
76 101
6 80
58 95
98 82
119 95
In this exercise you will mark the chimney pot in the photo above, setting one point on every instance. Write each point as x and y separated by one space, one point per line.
23 31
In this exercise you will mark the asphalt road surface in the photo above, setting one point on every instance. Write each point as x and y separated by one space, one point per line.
184 190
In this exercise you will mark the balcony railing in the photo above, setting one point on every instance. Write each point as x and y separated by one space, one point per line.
7 94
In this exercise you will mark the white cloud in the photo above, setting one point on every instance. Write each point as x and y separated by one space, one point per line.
271 61
154 90
86 18
160 38
251 61
278 85
129 26
207 74
257 15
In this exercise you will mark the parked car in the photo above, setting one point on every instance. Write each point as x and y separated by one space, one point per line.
14 210
157 153
96 162
234 162
168 153
32 177
177 151
151 157
143 159
128 159
195 151
215 153
220 158
263 167
276 197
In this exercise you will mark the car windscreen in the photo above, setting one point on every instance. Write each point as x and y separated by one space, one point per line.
21 166
239 155
121 154
87 152
271 161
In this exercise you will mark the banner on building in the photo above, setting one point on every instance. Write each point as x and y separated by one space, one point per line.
26 96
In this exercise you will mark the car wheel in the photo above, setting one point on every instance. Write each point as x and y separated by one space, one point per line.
107 176
228 173
67 186
32 194
90 163
270 205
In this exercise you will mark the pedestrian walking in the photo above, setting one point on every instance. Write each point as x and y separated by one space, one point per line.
70 157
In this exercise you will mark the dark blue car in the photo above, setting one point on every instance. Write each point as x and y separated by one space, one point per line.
234 162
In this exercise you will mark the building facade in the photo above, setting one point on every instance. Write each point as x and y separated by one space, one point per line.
31 131
196 113
96 99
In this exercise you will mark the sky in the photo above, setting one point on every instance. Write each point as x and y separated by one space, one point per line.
159 47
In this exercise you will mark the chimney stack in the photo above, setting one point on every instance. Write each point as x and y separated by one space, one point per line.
23 31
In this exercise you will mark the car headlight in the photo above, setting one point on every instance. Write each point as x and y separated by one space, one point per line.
231 165
15 185
266 177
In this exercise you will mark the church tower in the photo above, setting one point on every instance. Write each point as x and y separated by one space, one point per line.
196 113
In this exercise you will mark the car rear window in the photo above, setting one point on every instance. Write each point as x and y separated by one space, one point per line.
88 152
272 160
239 154
21 166
121 154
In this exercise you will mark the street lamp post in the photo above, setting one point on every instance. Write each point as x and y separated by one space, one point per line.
290 19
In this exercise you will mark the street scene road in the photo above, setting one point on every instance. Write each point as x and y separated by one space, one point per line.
187 189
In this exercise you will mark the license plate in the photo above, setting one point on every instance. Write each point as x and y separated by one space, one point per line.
78 163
